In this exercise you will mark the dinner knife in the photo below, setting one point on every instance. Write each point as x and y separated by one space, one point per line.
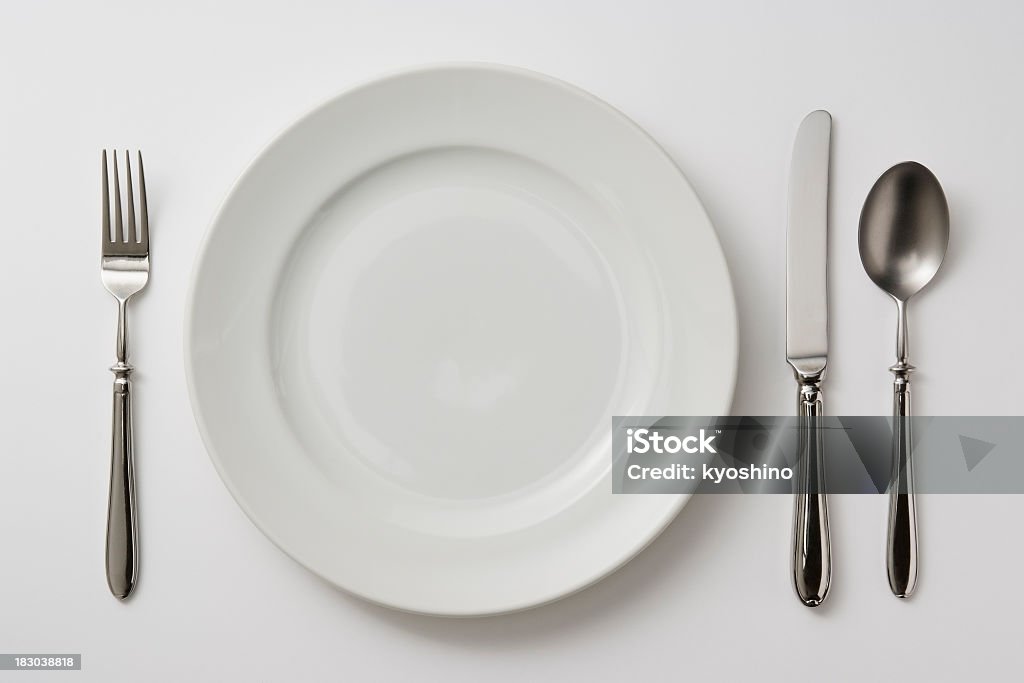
807 348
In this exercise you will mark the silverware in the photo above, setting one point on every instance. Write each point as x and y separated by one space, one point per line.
124 271
904 231
807 348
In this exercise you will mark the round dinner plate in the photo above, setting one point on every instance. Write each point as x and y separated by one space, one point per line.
417 311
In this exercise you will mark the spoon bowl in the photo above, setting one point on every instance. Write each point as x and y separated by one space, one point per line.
904 230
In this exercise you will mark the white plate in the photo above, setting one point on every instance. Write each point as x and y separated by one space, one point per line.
416 313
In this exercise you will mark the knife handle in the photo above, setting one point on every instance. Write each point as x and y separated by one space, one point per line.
122 534
812 560
901 551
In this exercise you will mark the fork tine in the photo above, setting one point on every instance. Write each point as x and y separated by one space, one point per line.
144 211
118 228
132 235
106 200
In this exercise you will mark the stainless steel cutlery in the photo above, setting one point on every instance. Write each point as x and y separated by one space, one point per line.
807 348
904 231
124 270
903 235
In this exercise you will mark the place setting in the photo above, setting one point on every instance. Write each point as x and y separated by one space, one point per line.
419 308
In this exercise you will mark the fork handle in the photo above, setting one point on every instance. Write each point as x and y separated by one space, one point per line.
122 537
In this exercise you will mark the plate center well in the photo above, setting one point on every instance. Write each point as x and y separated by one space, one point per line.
444 324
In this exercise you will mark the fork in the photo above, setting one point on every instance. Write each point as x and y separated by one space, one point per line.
124 271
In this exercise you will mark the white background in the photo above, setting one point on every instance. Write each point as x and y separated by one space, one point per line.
722 85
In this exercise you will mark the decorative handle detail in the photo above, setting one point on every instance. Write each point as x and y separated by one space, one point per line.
901 553
812 560
122 539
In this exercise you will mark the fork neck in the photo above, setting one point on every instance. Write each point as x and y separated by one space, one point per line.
122 332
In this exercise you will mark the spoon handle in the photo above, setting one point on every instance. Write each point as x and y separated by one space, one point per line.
812 561
901 553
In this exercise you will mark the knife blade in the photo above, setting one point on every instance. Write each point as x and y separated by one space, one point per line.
807 349
807 246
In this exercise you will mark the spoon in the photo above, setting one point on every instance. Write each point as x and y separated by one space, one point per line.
904 230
